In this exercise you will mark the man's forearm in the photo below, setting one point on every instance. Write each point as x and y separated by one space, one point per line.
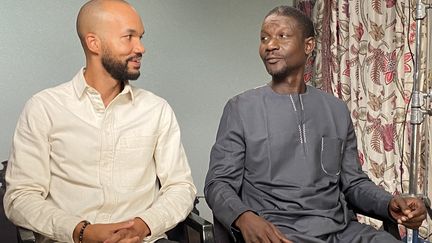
169 209
33 212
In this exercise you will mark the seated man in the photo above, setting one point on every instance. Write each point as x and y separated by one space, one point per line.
96 159
284 166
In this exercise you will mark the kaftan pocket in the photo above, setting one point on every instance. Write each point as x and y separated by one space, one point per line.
331 155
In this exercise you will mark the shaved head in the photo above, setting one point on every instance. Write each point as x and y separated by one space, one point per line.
95 15
110 32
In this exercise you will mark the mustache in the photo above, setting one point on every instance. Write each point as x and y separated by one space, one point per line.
273 55
134 57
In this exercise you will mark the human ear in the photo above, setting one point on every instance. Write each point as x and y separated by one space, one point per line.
309 45
93 43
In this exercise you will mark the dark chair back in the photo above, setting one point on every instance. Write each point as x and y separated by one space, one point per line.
180 232
221 234
8 231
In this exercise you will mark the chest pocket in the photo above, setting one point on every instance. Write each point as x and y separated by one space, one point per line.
134 164
331 155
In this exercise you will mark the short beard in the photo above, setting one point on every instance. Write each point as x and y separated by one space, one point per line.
116 68
282 74
278 75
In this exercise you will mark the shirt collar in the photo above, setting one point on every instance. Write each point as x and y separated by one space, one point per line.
128 90
80 86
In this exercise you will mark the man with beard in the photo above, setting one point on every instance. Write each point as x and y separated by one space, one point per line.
96 159
284 166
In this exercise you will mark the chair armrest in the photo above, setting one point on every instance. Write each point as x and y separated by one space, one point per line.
202 226
392 228
25 235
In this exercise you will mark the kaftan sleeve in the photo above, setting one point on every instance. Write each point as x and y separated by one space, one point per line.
360 192
225 175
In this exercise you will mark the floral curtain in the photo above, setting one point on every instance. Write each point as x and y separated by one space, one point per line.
364 56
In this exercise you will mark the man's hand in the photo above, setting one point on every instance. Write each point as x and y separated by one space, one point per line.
258 230
134 234
409 211
96 233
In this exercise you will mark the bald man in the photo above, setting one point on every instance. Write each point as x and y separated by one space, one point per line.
96 159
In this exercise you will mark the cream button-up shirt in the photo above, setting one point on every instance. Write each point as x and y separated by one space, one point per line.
74 159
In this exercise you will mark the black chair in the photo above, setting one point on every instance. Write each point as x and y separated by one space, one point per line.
7 229
223 235
193 229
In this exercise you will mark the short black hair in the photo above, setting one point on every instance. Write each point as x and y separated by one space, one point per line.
304 22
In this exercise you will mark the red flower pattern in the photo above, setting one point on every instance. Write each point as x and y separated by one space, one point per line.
412 33
309 69
358 31
390 67
388 136
390 3
372 59
361 158
406 96
407 59
347 70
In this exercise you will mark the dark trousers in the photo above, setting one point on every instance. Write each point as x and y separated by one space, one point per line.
355 232
165 241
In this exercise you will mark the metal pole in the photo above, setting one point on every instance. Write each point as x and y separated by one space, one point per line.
416 102
416 114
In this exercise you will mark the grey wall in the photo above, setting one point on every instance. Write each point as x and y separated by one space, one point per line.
199 54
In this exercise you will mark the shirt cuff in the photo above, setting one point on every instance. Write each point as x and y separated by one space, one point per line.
155 223
236 207
64 228
386 207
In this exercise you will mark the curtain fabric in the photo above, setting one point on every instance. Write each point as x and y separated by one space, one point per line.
365 56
